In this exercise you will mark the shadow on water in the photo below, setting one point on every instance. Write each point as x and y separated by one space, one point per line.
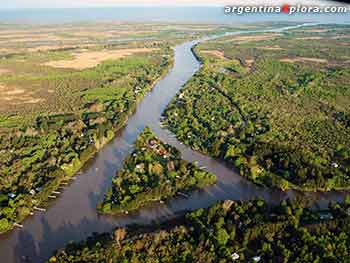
73 215
28 249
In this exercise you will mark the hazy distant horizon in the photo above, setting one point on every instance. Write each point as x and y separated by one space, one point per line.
188 14
20 4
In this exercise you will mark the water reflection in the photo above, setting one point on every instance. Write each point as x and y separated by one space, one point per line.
73 216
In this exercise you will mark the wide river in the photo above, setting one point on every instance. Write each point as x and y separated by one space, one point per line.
73 215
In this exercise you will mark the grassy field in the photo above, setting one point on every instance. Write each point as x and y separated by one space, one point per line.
45 69
274 105
15 38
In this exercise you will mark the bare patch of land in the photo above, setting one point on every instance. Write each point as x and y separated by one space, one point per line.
253 38
43 48
316 30
341 37
4 71
304 59
15 96
216 53
249 62
309 38
271 48
91 59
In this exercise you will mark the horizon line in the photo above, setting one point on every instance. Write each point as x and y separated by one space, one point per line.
116 5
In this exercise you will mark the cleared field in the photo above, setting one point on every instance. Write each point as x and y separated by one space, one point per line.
14 96
304 59
4 71
316 30
216 53
31 38
253 38
88 59
51 66
271 48
309 38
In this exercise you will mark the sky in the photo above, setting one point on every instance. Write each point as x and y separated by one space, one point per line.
90 3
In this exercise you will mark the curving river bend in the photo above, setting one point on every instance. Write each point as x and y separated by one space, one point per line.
73 216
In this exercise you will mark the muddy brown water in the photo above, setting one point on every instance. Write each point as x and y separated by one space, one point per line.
73 215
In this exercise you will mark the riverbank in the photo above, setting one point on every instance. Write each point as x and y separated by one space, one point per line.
153 172
272 118
100 134
74 217
226 231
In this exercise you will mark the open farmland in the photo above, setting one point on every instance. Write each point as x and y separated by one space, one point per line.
86 59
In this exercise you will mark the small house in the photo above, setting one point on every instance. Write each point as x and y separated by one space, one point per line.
152 143
12 195
140 167
256 259
235 256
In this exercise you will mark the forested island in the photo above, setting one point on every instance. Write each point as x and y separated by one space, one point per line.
153 172
275 106
230 231
65 97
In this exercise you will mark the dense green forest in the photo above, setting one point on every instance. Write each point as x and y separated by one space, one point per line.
54 118
275 106
153 172
229 231
37 157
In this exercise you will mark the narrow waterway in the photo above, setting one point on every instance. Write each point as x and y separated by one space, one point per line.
73 215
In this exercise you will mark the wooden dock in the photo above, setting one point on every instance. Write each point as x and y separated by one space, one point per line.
39 209
183 194
18 225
